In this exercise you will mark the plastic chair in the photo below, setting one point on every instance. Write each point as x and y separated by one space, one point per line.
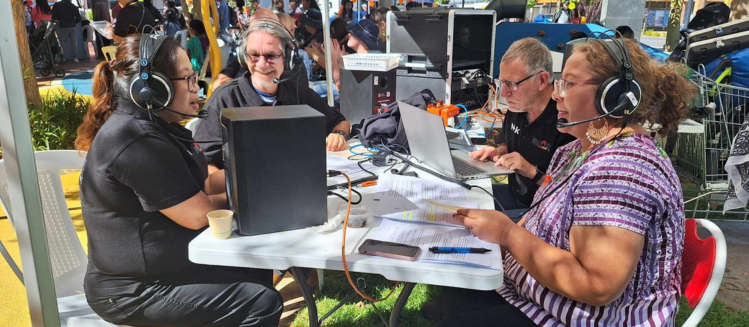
192 125
90 31
110 52
68 259
703 265
182 37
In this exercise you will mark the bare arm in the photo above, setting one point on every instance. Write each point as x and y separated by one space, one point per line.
596 270
192 212
216 182
219 80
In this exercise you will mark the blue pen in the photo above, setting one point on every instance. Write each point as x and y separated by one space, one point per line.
442 249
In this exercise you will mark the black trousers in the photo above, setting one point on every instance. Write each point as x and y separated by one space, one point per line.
216 296
480 308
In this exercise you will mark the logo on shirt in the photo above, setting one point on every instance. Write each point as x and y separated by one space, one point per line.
541 144
197 148
515 129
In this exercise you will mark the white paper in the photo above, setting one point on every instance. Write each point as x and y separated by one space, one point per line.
389 185
349 167
419 211
427 235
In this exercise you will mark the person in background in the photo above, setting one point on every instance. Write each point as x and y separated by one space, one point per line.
347 12
625 32
197 44
116 9
145 194
310 4
290 24
294 10
339 32
563 15
254 5
605 244
379 17
312 21
41 12
239 5
101 13
529 136
67 15
394 8
133 18
171 25
148 4
278 6
27 18
172 6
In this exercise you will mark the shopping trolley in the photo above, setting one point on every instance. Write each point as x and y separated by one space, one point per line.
700 154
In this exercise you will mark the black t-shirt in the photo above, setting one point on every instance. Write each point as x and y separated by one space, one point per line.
536 142
132 170
132 19
241 93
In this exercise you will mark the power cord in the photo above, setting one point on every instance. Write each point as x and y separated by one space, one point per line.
359 163
490 194
343 251
345 199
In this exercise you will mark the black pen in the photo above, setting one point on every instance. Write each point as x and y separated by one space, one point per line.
442 249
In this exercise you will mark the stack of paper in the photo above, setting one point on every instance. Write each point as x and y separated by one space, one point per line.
425 236
402 198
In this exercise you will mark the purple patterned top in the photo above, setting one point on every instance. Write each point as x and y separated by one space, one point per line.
631 184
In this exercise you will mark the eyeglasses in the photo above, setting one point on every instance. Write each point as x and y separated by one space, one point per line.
560 85
270 58
513 86
192 81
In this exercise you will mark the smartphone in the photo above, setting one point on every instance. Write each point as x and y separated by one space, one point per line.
390 250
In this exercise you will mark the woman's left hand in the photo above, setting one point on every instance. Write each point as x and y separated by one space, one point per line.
488 225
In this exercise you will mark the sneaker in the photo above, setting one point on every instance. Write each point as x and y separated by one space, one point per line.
434 310
75 60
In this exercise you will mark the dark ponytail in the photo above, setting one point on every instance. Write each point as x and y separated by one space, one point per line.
112 80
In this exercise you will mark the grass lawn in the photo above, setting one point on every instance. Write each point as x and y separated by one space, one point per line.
361 314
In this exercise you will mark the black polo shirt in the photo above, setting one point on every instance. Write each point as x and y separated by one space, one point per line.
241 93
132 19
536 142
132 170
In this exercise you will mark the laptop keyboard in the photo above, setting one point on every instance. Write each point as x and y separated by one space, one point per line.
462 168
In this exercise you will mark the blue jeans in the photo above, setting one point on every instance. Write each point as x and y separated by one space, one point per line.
512 206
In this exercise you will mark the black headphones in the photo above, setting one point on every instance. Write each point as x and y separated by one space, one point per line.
290 50
151 90
619 95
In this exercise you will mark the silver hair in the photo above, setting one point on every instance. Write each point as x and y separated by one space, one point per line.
534 54
268 26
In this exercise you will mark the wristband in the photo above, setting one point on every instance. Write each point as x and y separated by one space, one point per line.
538 176
345 135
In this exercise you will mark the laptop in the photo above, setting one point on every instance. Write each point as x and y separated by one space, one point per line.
428 142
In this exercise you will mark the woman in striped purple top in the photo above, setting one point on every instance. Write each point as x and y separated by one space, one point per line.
604 246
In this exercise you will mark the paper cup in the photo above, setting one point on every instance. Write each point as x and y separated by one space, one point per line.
220 222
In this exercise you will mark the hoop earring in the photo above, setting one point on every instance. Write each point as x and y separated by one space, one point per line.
597 135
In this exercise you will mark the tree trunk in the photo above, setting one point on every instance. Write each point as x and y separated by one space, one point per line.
27 64
739 9
674 20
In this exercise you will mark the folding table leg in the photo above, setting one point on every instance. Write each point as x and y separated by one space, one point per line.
400 304
306 293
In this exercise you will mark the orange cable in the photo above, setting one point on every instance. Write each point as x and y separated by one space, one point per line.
343 251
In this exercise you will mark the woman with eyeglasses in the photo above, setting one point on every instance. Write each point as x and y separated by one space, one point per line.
145 193
603 244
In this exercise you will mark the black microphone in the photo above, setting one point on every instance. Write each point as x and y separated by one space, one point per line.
564 123
202 114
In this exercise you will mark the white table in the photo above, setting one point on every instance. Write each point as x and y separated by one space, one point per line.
306 248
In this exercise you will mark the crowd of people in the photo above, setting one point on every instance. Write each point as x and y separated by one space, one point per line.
601 232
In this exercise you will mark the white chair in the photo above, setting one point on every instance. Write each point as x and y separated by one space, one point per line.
66 254
90 31
182 37
703 265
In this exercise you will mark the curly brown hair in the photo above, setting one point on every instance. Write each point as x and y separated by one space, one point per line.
666 95
112 81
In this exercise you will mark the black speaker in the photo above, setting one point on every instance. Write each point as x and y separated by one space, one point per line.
363 93
275 167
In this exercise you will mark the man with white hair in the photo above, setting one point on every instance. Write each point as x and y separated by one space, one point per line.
529 137
263 53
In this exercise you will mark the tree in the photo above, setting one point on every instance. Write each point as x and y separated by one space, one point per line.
27 64
674 22
739 9
532 3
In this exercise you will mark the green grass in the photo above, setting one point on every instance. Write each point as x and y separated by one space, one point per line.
361 314
654 33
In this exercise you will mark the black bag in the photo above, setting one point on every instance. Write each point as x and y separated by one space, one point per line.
712 14
387 128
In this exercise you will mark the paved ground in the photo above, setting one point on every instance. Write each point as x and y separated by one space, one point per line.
734 291
655 42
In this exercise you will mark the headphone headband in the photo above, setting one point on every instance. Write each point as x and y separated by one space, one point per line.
290 47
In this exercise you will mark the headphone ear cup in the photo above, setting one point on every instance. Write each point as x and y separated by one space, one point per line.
607 96
161 90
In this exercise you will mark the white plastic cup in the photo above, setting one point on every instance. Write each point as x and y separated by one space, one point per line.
220 222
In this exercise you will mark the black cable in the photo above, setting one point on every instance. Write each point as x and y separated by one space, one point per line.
436 174
359 163
501 208
345 199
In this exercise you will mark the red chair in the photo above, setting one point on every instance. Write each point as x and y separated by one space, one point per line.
703 265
